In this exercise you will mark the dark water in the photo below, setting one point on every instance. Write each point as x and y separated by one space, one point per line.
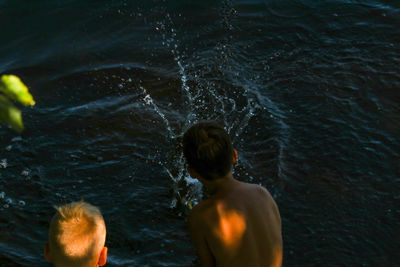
309 91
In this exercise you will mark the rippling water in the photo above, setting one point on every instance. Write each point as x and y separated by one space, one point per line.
309 91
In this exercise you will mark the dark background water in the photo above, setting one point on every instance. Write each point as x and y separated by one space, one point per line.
309 91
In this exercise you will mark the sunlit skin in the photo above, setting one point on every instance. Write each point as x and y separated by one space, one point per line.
231 228
238 226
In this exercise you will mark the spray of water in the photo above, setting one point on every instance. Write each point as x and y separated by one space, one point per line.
208 99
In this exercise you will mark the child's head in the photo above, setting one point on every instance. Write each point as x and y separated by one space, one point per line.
76 236
208 150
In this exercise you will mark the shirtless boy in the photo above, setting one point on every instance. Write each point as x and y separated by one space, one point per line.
76 237
239 224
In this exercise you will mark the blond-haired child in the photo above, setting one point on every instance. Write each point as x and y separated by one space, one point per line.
76 236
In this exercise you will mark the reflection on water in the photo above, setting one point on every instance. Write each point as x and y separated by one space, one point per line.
308 91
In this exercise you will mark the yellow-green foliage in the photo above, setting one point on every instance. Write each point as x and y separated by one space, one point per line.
13 88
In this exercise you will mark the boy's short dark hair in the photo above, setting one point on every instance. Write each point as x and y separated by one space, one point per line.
208 149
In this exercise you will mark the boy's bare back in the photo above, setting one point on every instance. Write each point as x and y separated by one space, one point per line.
240 225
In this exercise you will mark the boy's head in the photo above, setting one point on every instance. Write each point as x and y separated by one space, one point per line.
208 150
76 236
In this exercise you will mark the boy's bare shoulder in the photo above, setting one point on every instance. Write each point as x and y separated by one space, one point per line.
261 194
258 189
201 218
207 211
201 210
266 196
263 190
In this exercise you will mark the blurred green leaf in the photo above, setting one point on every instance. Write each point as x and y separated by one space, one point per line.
10 114
15 89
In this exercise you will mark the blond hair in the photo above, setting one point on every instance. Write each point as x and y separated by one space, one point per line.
77 234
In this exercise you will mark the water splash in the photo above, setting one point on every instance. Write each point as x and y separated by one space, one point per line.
171 41
210 99
149 101
3 164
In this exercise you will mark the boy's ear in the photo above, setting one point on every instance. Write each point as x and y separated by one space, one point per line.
103 257
235 156
192 172
47 252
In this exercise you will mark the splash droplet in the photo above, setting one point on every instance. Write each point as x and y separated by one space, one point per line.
3 164
25 172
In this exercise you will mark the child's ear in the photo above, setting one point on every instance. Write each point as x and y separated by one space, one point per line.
192 172
47 252
103 257
235 156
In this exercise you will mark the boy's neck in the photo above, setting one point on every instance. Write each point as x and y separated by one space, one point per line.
219 185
